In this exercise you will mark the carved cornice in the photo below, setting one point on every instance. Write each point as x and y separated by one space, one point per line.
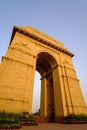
39 39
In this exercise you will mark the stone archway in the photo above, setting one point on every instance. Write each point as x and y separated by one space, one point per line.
30 50
45 65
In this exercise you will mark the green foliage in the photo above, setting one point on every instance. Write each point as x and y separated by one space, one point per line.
37 114
8 120
31 117
76 118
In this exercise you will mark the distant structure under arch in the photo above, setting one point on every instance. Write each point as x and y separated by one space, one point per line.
30 50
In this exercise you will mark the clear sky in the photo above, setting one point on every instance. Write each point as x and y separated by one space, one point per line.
65 20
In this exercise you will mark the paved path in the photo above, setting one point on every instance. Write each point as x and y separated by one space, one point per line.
56 126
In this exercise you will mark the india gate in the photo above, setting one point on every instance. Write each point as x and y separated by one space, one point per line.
30 50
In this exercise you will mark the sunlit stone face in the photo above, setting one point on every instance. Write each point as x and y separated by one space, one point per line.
31 50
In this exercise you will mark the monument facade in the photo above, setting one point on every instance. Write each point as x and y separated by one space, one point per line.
30 50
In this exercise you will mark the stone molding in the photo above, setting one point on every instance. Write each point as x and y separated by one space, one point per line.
40 39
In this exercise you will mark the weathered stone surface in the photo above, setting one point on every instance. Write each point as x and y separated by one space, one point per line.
31 50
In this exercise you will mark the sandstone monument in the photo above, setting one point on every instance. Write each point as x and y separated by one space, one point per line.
30 50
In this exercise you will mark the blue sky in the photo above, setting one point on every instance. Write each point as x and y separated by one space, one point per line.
65 20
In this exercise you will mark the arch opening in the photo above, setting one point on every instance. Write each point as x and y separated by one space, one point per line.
44 65
36 93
